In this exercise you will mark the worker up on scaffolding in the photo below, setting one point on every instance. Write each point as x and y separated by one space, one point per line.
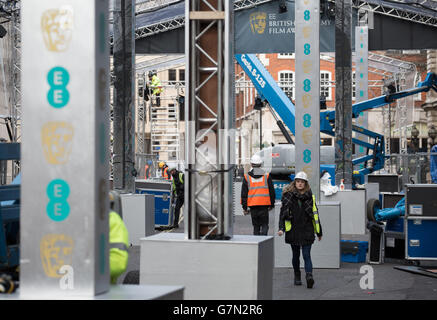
155 87
164 170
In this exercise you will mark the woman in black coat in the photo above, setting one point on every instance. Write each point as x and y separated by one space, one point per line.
299 219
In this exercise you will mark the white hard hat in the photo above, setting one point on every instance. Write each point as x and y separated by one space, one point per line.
301 175
256 160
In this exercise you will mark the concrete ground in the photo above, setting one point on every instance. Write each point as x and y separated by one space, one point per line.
337 284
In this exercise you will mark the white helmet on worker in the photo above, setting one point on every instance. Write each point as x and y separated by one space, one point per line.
171 168
256 161
301 175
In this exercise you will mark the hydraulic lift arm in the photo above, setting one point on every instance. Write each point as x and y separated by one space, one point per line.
269 90
327 124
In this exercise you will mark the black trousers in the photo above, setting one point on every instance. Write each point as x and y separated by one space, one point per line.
260 220
158 100
177 210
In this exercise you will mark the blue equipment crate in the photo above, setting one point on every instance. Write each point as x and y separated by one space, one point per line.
421 238
353 251
164 209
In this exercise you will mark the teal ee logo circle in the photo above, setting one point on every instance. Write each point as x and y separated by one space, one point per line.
58 95
307 85
58 208
306 48
307 120
307 156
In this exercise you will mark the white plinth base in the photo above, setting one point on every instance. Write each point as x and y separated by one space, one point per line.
240 268
138 216
353 210
116 292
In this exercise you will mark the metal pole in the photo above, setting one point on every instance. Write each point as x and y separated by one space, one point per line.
343 92
220 127
260 129
124 107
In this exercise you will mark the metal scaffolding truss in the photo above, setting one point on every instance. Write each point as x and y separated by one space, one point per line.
401 10
384 66
390 64
143 6
162 26
161 62
209 187
179 21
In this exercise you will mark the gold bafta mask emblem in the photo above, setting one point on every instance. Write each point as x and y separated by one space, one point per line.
57 28
306 66
307 135
56 250
308 170
258 22
306 31
57 141
306 99
102 91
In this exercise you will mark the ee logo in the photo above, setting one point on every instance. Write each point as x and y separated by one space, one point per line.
58 95
58 208
307 120
307 156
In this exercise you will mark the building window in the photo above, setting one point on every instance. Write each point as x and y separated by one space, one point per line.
171 76
325 85
286 82
181 74
285 55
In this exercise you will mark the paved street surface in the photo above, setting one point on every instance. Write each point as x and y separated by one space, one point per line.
338 284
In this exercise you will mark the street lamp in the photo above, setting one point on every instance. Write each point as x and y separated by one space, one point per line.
432 133
258 106
414 138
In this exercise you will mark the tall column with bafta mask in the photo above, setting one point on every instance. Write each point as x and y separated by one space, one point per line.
307 21
64 215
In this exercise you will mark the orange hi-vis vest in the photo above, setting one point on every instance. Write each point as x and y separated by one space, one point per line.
148 173
165 173
258 194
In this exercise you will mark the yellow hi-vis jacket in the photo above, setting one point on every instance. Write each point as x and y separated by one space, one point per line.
156 85
118 244
316 222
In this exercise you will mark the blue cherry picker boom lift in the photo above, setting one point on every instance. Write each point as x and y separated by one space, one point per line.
270 91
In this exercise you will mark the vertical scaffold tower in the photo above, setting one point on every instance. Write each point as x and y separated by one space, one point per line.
210 119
